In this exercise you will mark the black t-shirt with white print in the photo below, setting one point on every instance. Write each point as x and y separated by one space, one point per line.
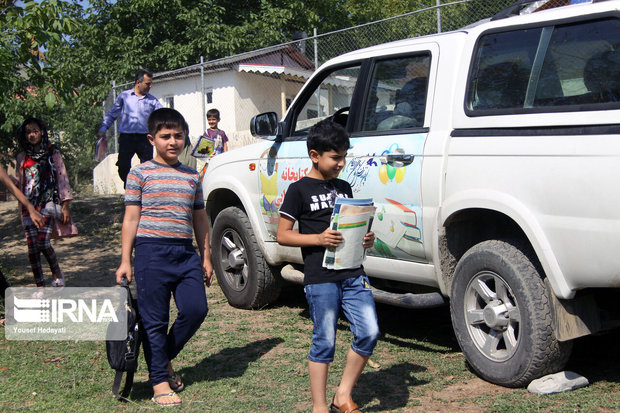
310 201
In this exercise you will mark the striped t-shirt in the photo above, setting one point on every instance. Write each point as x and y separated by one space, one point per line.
168 196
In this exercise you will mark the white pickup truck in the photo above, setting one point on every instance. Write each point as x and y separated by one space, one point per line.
492 154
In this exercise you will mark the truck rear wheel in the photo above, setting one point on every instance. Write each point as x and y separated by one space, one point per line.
243 274
502 317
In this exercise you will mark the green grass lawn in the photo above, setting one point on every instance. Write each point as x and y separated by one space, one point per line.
256 361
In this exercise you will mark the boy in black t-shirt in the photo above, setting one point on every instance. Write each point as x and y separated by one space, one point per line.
310 201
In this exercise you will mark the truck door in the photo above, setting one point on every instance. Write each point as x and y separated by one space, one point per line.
388 140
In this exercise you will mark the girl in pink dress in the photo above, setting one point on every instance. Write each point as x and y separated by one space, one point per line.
42 177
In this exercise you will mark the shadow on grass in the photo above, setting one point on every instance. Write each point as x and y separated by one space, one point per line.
292 296
390 385
10 224
399 326
227 363
594 357
597 357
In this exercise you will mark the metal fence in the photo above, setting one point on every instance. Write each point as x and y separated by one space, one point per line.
204 81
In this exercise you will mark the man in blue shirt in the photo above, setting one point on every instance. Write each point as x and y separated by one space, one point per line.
134 106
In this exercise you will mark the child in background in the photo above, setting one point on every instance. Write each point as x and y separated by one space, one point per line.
163 205
217 135
42 177
310 201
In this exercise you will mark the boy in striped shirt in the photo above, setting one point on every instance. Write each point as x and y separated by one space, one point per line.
163 207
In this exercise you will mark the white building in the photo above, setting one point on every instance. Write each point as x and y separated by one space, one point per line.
240 87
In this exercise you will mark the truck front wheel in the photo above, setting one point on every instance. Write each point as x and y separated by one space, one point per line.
243 274
501 316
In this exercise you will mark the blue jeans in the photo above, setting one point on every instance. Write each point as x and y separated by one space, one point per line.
325 300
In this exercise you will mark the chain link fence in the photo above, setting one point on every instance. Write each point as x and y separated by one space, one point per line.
246 84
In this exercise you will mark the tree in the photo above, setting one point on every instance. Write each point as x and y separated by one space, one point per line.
117 38
29 80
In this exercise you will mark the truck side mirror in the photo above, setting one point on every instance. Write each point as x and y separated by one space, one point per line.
264 125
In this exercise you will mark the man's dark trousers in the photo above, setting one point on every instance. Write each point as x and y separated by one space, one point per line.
128 145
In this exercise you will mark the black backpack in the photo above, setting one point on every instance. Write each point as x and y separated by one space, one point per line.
123 354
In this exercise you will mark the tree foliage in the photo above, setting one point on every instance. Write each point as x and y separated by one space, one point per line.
120 37
30 82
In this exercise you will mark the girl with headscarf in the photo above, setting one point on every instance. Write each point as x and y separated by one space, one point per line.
42 177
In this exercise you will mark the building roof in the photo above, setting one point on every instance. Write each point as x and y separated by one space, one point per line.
282 59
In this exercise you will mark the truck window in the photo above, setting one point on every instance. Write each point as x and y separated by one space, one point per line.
397 95
332 97
554 68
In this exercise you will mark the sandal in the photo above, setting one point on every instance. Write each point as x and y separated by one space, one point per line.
176 384
348 407
155 399
58 282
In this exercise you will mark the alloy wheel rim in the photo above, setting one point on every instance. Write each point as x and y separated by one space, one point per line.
234 260
492 316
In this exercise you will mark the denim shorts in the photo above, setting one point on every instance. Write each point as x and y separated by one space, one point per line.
325 300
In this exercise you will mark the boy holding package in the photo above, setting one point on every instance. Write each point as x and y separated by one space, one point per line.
310 201
163 206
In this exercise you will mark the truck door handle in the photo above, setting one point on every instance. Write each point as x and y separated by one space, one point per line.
398 160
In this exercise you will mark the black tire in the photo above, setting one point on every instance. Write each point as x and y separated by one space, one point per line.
243 274
501 315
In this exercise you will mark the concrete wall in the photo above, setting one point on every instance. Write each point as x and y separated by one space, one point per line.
105 176
186 94
237 95
256 94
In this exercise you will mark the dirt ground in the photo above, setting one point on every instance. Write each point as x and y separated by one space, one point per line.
86 260
91 259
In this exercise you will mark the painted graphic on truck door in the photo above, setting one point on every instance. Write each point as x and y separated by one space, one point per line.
372 173
391 176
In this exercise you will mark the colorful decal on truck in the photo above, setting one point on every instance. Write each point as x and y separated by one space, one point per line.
389 173
395 187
